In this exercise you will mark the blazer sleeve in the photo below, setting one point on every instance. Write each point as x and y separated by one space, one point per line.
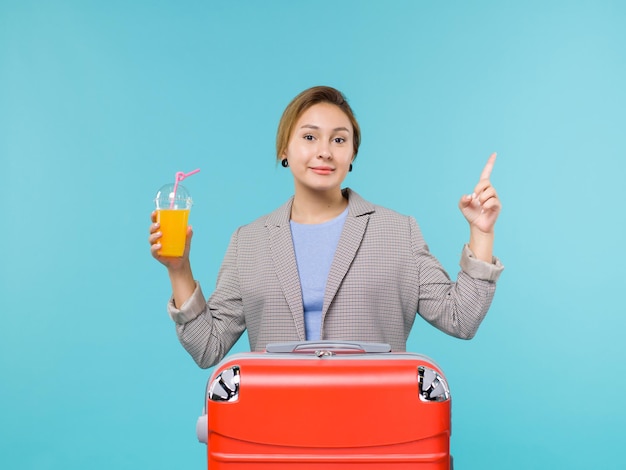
208 330
456 308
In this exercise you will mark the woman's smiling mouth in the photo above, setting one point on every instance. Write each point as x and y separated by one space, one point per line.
322 170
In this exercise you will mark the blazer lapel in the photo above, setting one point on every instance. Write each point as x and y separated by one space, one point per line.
284 256
359 212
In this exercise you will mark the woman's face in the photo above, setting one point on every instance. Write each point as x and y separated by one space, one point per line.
320 148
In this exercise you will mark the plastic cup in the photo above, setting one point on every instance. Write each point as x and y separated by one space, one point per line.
173 216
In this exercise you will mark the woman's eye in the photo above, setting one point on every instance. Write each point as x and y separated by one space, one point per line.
339 140
308 137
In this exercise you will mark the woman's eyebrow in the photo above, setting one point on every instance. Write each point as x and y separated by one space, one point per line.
313 126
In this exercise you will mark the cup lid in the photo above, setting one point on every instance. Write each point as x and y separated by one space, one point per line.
165 198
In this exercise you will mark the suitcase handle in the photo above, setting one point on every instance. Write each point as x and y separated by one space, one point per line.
328 347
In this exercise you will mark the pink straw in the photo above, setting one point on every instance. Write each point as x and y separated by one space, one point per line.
179 177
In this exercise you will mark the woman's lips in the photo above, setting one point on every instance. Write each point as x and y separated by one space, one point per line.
322 170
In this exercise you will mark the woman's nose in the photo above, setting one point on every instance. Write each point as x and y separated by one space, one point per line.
324 152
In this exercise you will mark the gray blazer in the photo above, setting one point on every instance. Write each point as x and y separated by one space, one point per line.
381 276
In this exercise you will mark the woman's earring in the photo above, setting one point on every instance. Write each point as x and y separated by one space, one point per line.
284 163
350 169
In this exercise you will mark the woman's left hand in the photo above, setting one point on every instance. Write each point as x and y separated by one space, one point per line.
482 207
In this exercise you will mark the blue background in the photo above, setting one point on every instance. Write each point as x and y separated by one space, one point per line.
102 102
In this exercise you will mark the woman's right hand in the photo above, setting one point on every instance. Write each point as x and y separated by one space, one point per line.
173 264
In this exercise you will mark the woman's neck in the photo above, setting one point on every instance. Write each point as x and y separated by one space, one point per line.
316 208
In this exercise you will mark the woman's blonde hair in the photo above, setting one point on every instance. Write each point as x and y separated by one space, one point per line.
302 102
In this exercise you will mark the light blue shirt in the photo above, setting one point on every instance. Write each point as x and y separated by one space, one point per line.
315 246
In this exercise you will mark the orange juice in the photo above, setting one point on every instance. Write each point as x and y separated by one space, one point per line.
174 229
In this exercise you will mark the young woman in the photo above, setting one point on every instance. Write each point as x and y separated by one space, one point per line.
329 264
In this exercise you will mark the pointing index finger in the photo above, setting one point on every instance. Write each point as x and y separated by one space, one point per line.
488 167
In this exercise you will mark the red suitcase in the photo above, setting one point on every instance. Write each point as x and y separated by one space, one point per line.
327 405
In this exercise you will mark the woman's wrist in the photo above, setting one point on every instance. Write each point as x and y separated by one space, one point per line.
183 284
481 244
